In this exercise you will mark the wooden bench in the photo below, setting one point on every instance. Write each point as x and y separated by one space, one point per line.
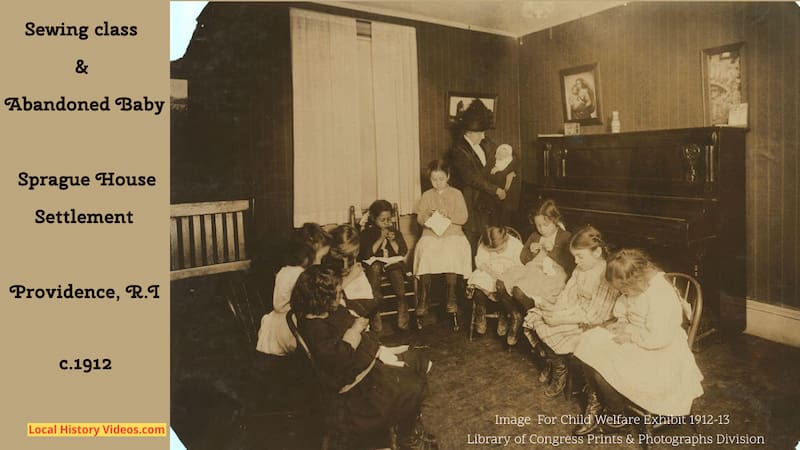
208 238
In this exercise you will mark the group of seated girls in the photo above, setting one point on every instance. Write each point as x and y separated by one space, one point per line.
375 387
616 313
445 251
331 281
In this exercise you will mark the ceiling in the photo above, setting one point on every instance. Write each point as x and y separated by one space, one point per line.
506 17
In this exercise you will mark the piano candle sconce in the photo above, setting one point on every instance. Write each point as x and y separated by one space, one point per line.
678 194
691 153
546 165
561 156
710 164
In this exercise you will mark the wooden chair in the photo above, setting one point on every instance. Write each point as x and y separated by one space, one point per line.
688 289
411 282
326 396
471 291
291 321
208 238
210 262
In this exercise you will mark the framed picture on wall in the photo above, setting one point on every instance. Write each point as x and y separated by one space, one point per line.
580 94
178 95
724 88
457 102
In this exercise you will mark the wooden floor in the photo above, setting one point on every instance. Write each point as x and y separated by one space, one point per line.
754 382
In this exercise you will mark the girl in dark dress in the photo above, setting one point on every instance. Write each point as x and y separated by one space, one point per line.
375 387
548 264
380 238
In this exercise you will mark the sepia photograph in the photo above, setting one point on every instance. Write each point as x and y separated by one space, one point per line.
580 89
348 273
458 102
723 81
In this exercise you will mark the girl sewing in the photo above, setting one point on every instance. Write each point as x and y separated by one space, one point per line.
498 252
643 357
554 327
383 251
446 250
374 387
548 263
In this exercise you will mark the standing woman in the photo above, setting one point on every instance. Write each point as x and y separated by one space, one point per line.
473 157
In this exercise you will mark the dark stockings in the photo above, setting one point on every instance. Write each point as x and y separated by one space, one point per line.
613 401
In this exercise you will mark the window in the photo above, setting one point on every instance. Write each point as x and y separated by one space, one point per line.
356 116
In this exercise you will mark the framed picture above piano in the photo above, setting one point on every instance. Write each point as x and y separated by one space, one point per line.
724 87
580 95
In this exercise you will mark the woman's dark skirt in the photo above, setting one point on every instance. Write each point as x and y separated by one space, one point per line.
386 397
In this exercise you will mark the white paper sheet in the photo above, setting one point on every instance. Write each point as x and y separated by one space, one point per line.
438 223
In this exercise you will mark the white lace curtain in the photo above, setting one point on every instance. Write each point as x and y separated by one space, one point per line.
326 125
328 166
394 69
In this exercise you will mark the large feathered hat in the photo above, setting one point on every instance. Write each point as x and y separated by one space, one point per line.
476 117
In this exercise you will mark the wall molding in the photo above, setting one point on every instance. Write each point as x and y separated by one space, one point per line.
772 322
416 17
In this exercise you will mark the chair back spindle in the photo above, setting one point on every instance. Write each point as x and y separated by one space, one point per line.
688 289
208 238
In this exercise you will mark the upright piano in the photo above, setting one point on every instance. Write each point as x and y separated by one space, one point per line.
678 194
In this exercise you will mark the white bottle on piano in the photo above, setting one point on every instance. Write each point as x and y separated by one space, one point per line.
615 122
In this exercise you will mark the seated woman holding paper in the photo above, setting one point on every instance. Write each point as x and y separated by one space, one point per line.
383 250
375 387
443 247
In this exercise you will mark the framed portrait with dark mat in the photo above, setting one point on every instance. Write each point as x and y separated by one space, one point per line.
580 94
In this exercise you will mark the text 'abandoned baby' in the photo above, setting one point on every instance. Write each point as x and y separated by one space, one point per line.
62 104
